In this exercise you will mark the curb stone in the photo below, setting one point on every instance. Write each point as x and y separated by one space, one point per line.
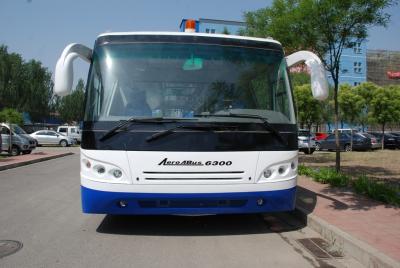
25 163
351 246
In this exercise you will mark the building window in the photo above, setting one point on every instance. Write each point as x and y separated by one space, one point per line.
357 67
356 47
207 30
212 30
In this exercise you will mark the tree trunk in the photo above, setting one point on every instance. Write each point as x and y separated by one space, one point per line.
383 136
335 95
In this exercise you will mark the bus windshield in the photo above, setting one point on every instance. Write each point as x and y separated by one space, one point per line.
179 80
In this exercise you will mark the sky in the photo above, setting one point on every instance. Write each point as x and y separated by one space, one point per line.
40 29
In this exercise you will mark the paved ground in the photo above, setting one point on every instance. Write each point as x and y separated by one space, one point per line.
370 221
37 155
40 206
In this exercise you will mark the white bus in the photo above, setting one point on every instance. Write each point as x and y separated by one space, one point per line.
187 123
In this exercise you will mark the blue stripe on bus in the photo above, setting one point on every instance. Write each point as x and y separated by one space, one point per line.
103 202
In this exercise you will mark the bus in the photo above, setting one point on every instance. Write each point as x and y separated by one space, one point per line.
187 123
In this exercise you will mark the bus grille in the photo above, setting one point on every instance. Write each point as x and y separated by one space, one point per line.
164 176
192 203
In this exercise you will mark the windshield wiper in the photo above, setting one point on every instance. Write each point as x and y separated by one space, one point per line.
205 127
264 120
124 123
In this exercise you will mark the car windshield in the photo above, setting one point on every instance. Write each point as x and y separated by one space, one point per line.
17 129
176 80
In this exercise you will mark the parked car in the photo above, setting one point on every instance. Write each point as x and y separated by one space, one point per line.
360 143
47 137
390 141
21 142
320 135
397 137
306 141
71 131
375 142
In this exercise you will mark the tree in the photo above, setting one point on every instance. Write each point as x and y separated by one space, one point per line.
351 104
9 115
71 107
226 31
385 107
366 91
299 79
323 26
308 108
24 86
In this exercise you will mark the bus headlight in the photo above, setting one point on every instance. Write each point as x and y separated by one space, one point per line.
267 173
116 173
282 169
100 169
96 170
86 163
279 171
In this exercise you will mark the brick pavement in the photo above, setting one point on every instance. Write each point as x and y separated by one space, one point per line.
370 221
34 157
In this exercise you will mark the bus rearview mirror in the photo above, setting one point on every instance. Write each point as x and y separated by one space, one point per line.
64 73
319 83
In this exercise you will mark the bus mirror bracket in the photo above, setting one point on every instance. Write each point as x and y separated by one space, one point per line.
319 83
64 73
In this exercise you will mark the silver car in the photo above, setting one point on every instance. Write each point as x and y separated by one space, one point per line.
47 137
306 141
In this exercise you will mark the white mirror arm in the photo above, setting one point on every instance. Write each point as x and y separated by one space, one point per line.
79 50
64 68
319 84
301 56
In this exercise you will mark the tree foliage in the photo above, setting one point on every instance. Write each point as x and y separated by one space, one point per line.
385 105
9 115
71 107
308 108
351 104
24 86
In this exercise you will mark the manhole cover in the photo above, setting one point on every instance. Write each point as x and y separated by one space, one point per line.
319 248
8 247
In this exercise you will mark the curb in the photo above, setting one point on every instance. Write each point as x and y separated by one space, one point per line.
351 246
25 163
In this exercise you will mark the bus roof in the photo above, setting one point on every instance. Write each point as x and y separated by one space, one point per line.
223 36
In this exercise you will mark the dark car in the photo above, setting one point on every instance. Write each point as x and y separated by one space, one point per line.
390 141
397 137
360 143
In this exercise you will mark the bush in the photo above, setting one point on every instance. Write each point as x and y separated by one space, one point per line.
328 175
377 190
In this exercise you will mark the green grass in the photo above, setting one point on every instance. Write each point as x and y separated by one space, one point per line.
377 190
362 184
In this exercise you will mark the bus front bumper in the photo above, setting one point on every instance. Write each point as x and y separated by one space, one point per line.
104 202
